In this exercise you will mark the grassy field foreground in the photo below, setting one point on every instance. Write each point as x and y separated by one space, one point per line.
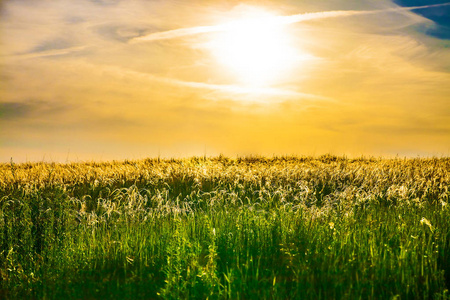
249 228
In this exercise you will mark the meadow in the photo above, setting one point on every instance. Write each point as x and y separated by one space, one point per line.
226 228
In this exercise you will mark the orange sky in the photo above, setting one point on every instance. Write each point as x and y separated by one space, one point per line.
84 80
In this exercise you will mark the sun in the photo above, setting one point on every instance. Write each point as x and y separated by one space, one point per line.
256 48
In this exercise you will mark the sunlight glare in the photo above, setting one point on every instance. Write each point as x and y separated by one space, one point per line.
257 49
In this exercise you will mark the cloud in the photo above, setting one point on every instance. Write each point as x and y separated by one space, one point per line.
236 90
15 110
297 18
176 33
53 44
258 94
105 2
31 108
120 32
49 53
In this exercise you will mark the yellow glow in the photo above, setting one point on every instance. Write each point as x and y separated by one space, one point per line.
256 48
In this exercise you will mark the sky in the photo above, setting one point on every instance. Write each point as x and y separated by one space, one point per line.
110 79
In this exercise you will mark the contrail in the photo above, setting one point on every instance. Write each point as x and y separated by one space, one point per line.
298 18
347 13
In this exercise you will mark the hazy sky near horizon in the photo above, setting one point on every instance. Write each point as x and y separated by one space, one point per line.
111 79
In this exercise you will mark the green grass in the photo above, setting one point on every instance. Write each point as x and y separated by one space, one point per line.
219 228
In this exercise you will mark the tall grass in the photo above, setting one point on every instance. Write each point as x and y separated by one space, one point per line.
221 228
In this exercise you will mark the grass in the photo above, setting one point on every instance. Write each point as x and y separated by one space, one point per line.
220 228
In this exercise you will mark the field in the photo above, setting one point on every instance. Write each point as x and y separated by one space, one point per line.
219 228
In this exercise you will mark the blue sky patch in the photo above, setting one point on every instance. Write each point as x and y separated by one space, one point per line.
439 15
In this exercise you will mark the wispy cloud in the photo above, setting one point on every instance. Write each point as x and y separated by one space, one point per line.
176 33
297 18
31 108
48 53
229 90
